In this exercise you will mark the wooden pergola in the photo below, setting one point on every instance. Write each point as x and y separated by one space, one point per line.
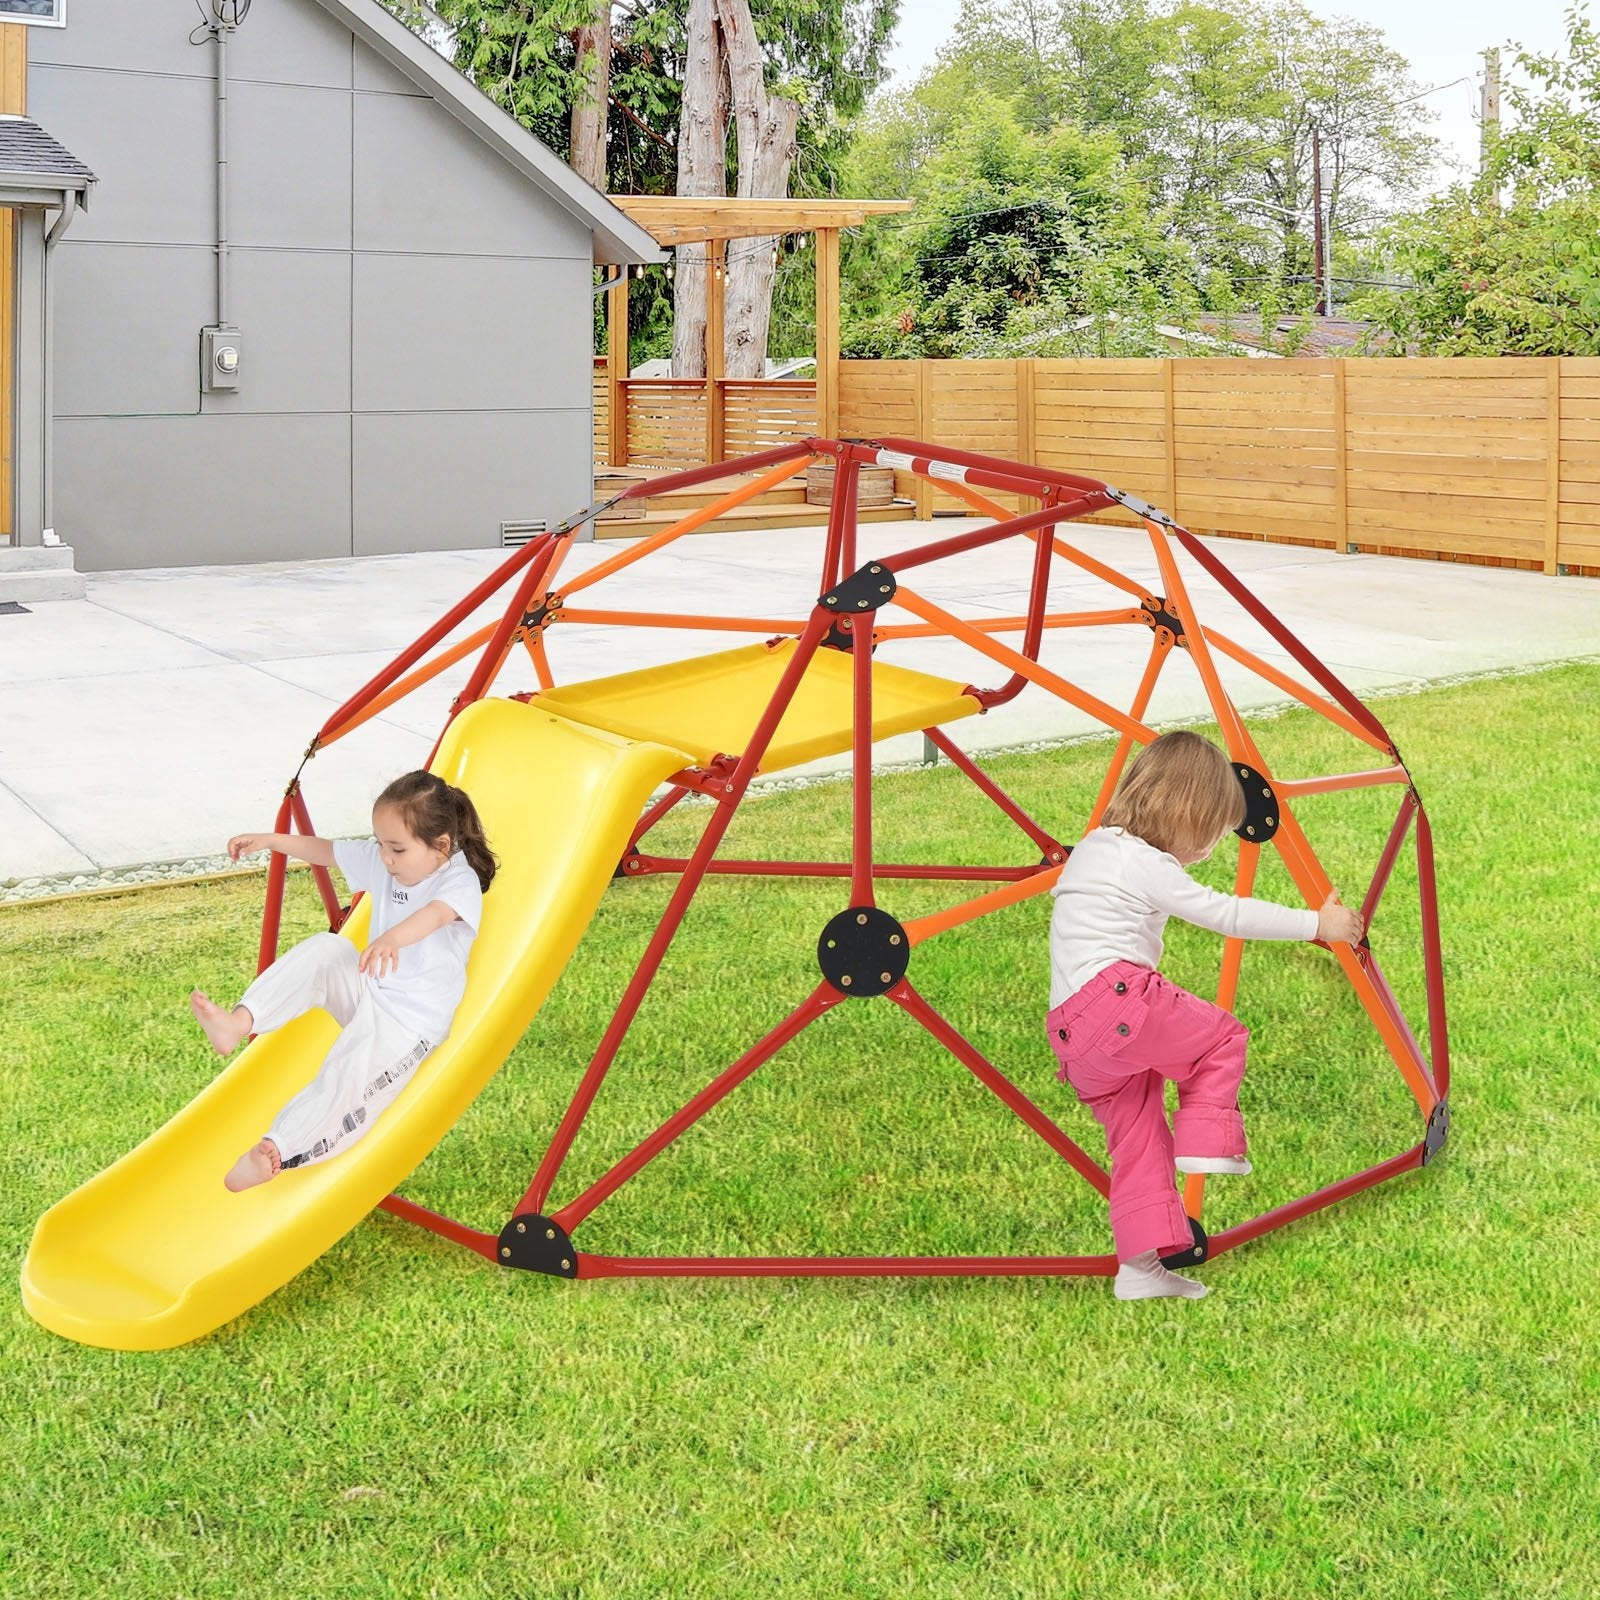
673 220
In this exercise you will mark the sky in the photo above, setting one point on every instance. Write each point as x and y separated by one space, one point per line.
1442 39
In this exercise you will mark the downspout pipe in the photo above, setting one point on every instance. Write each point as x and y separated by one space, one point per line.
69 209
221 30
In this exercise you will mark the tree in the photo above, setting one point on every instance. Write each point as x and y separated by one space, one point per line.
1522 279
667 81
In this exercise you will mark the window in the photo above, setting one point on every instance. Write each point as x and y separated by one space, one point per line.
42 13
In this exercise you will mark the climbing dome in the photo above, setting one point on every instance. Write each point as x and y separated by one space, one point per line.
814 688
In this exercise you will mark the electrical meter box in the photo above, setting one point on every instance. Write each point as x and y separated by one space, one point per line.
220 353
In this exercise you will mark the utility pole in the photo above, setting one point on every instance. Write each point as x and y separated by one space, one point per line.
1319 269
1489 114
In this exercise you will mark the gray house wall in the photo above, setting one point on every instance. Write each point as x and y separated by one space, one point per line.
414 314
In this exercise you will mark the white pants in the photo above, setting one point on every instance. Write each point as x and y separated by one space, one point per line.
368 1065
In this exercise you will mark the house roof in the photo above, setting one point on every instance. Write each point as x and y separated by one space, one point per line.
1319 336
30 159
616 237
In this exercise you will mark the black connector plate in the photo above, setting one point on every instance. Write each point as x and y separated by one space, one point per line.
1260 805
866 589
536 1244
1438 1133
1160 617
863 952
1194 1255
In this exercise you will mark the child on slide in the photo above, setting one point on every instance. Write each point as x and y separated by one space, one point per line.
1121 1031
425 869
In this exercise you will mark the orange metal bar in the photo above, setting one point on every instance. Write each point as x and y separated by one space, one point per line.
1141 700
1018 662
1062 619
920 928
1194 1184
1348 780
411 681
541 660
672 619
1281 680
1070 553
979 502
1314 883
1240 746
695 519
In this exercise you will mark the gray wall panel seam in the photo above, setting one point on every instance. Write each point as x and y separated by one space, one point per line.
207 77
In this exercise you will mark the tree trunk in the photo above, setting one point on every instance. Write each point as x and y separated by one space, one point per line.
702 139
765 124
587 156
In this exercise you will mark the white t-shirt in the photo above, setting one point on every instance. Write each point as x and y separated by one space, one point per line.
1113 899
430 976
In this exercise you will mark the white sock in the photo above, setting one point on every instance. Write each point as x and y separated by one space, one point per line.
1143 1277
1235 1166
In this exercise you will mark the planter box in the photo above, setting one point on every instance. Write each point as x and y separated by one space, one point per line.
875 487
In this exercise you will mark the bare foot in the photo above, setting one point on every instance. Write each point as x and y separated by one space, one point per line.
225 1029
259 1164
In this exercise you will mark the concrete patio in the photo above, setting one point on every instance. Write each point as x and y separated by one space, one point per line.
166 710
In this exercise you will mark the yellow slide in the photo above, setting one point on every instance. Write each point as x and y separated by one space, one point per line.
154 1251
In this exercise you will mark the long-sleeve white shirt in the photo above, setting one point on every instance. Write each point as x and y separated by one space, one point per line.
1113 899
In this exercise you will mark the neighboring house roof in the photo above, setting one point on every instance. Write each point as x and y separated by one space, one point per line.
31 159
1323 336
616 238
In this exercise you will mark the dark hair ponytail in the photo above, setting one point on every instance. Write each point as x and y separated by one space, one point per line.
431 808
469 838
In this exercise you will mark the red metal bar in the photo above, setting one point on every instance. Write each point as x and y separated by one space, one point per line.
1232 1238
324 879
849 519
688 478
1034 631
494 653
1391 850
1041 476
272 912
846 1266
1289 642
992 1079
1433 959
821 999
1397 1016
485 1244
653 816
861 775
415 652
638 865
1051 846
1044 517
633 996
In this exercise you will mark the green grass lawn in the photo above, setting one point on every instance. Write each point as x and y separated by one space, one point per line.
1396 1397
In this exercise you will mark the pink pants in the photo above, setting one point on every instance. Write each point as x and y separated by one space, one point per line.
1120 1039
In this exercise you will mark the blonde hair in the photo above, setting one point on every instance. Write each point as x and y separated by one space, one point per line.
1181 795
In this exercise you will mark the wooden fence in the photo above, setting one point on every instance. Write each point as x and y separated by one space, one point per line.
1495 461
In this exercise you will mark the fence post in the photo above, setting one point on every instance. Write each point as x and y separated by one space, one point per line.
924 387
1552 479
1170 413
1026 441
1341 463
617 371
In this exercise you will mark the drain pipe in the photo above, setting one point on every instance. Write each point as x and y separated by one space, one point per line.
69 209
221 30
